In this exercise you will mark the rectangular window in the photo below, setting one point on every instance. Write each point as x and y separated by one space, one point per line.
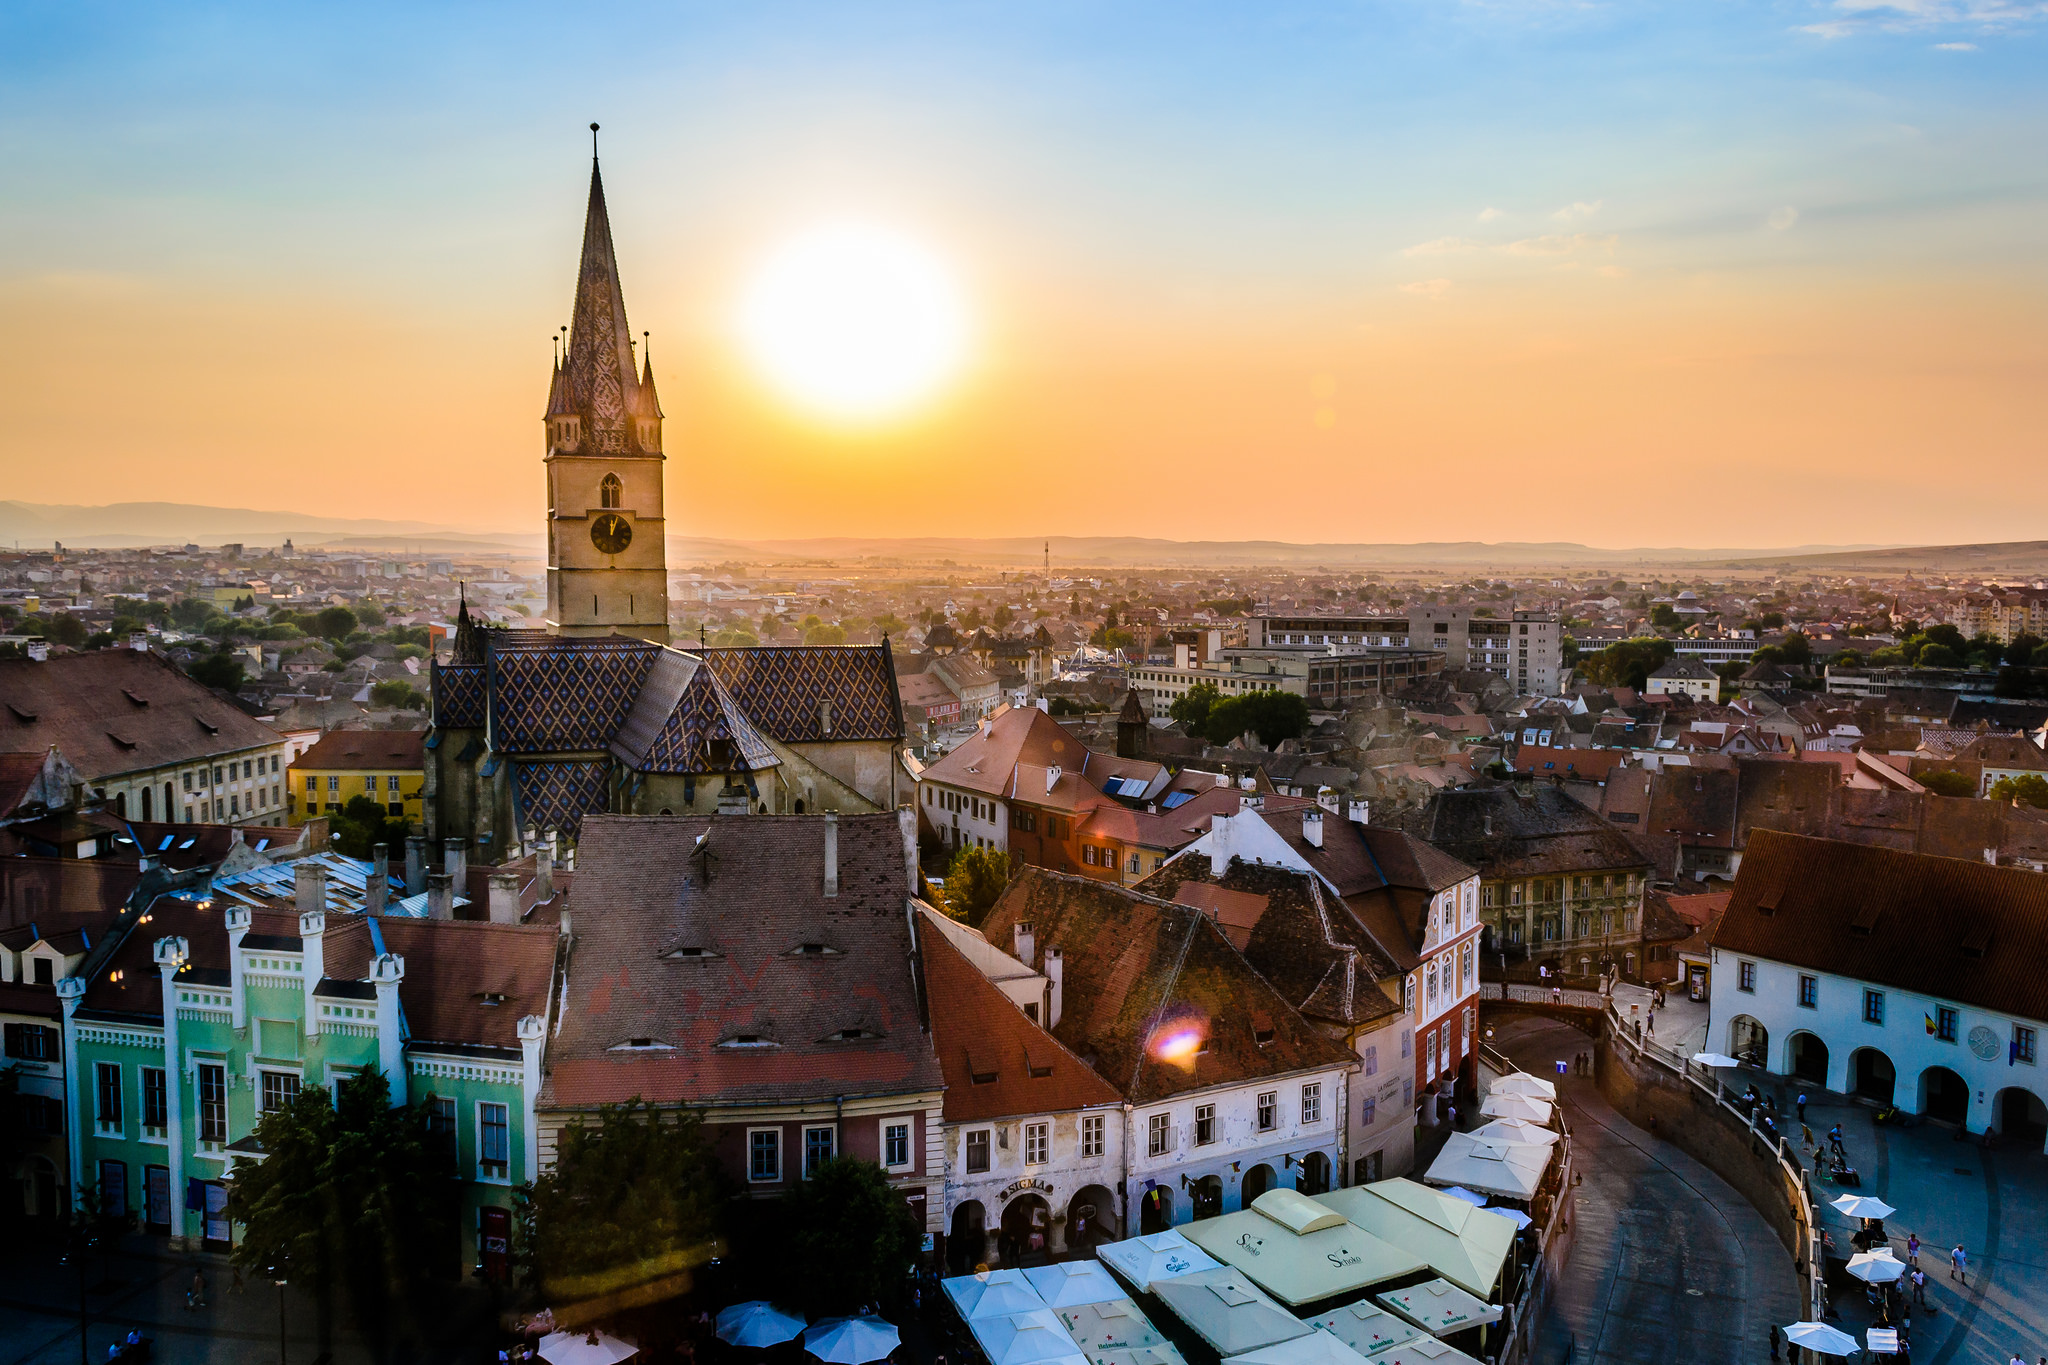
494 1139
1037 1144
1312 1102
2023 1043
370 784
1159 1135
108 1075
441 1126
1873 1007
1407 1044
817 1148
896 1144
1091 1135
1205 1124
312 784
764 1154
1368 1111
391 783
1269 1110
1745 976
280 1089
154 1109
977 1152
1372 1059
334 782
33 1042
1946 1026
1809 991
213 1103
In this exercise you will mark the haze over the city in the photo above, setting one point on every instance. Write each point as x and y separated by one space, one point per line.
1513 271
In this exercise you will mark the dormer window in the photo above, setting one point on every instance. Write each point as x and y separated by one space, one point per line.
813 950
693 954
853 1035
490 997
739 1040
642 1045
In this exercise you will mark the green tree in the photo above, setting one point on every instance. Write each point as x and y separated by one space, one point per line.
370 614
1001 617
362 825
889 623
192 613
399 693
334 623
1112 637
221 670
354 1197
64 629
2028 788
1626 663
825 635
1191 708
732 637
1274 716
1938 656
851 1239
1663 617
1946 783
633 1201
974 879
2021 650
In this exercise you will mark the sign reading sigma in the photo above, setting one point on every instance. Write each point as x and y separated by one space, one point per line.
1030 1183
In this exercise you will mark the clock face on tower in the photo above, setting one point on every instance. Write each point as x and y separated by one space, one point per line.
611 533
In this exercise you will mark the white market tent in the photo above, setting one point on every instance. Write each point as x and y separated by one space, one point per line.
1439 1307
1143 1261
1224 1308
1522 1083
1366 1327
1516 1130
1032 1338
1300 1251
1317 1348
1424 1351
1532 1108
1118 1325
991 1294
1065 1284
1140 1355
1463 1244
1513 1169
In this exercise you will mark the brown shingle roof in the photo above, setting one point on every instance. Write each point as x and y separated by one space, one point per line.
118 710
358 749
1950 928
978 1031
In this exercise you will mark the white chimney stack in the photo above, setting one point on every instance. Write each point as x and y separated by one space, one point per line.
312 963
831 855
504 898
1022 944
1357 812
1055 975
1312 827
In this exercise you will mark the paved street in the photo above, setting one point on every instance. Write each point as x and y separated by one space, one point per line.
1671 1265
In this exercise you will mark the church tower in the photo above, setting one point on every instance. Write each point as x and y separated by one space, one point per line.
607 563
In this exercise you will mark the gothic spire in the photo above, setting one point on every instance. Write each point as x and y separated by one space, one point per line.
650 406
468 645
602 386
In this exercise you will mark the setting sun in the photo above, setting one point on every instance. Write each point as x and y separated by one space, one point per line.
855 322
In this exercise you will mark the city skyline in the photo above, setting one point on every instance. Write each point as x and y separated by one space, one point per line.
1473 273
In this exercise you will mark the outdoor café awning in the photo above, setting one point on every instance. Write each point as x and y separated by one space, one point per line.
1529 1108
1142 1261
1513 1169
1522 1083
991 1294
1064 1284
1224 1308
1424 1351
1301 1251
1317 1348
1163 1354
1034 1338
1366 1327
1439 1307
1118 1325
1465 1245
1516 1130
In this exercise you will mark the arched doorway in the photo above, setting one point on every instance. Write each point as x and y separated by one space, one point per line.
1871 1075
1027 1224
1944 1095
967 1243
1091 1218
1207 1196
1155 1211
2021 1115
1315 1174
1806 1057
1257 1181
1749 1041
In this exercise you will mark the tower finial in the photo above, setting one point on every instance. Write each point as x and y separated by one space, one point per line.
593 142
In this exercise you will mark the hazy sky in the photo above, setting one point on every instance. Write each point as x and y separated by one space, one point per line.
1703 272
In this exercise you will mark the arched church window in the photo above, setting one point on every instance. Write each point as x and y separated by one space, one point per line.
608 492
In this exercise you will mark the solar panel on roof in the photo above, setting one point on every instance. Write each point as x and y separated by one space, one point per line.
166 843
1177 799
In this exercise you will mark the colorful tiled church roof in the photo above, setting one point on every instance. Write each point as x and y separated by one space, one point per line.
800 693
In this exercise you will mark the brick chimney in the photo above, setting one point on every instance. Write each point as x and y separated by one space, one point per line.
440 896
831 855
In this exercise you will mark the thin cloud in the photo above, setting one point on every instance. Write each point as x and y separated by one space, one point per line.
1782 217
1572 213
1444 246
1955 47
1428 289
1488 214
1563 244
1903 16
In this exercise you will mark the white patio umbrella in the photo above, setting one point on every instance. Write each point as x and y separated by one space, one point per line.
1863 1206
1515 1130
585 1348
1876 1267
1460 1192
757 1323
1522 1083
851 1341
1818 1336
1529 1107
1714 1059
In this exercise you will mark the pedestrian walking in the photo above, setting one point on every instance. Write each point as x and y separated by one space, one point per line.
1919 1286
195 1297
1773 1336
1557 995
1959 1265
1913 1248
1653 1023
1835 1142
1802 1106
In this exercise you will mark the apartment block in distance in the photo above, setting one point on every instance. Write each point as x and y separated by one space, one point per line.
1525 647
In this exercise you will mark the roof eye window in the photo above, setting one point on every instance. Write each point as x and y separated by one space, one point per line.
747 1040
853 1035
490 997
813 950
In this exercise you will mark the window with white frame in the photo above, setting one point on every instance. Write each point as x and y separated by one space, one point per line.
818 1148
1205 1124
441 1125
108 1087
1091 1135
1037 1143
896 1145
155 1108
213 1102
977 1152
764 1155
2024 1043
1372 1059
493 1139
280 1089
1269 1110
1312 1102
1159 1134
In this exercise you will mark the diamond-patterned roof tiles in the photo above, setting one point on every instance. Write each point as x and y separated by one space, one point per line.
458 696
683 711
558 794
799 693
564 694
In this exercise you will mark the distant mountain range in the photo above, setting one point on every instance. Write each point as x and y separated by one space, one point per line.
128 524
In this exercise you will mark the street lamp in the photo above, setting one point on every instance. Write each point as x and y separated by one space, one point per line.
277 1274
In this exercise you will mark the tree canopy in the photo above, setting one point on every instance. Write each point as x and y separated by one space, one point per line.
334 623
362 825
850 1238
1191 708
1946 783
1273 716
974 879
221 670
1626 663
2028 788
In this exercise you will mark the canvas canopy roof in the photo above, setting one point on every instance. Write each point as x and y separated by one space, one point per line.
1522 1083
1163 1354
1516 1130
1513 1169
1032 1338
1064 1284
1532 1108
1366 1327
1423 1351
1115 1325
1317 1348
1465 1245
1224 1308
1329 1256
1439 1306
1142 1261
991 1294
